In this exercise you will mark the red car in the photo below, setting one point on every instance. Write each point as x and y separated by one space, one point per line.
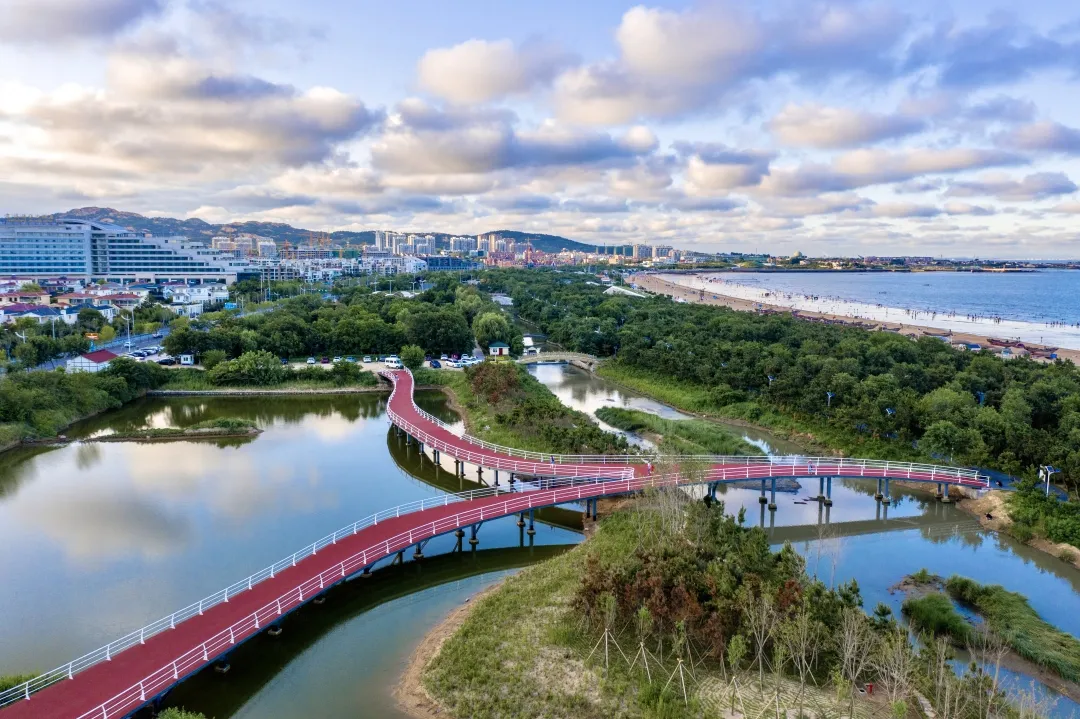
325 360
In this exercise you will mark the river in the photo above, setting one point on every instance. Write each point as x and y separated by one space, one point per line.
102 538
861 539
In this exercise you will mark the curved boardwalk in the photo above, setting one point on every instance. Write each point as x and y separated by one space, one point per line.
115 683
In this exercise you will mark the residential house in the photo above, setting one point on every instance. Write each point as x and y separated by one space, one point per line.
91 361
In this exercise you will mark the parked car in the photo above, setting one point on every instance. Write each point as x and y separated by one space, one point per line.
443 357
350 358
285 361
338 359
167 361
367 358
157 335
311 360
393 363
325 360
435 364
454 364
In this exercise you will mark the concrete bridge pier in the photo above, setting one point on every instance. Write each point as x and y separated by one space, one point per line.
521 519
460 534
532 526
473 541
887 499
479 474
762 499
821 489
939 493
878 495
828 492
496 478
772 496
457 467
435 456
945 499
419 553
761 519
712 490
399 558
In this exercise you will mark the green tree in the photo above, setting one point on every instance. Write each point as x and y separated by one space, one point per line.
412 357
213 358
257 369
491 327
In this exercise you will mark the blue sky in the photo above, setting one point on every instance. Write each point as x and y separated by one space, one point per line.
843 127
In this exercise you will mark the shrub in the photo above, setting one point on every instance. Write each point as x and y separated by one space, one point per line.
213 358
258 369
412 357
1021 531
935 613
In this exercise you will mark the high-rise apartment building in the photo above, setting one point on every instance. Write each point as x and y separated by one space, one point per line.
95 250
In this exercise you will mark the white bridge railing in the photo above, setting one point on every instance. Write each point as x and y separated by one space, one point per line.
465 450
513 503
573 477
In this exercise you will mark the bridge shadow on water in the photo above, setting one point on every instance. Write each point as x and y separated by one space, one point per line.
257 662
408 457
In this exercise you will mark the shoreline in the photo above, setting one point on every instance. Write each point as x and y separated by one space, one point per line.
657 284
412 698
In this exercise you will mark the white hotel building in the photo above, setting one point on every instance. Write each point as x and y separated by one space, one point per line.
33 248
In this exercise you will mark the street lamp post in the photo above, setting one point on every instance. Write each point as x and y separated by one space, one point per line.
828 398
1045 472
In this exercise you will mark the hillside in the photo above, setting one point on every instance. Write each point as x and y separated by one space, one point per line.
201 230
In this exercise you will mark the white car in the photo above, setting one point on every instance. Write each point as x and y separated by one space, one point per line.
393 363
311 360
454 364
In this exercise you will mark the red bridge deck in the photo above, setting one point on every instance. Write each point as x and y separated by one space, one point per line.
118 686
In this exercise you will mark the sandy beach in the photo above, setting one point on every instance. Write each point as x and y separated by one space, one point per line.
699 289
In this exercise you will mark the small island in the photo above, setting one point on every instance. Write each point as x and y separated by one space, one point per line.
209 429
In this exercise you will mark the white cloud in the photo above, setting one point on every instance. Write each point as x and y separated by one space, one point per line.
67 20
836 127
480 70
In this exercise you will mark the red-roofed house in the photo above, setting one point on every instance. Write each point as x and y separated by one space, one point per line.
91 361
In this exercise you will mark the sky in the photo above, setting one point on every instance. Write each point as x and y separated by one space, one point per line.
945 128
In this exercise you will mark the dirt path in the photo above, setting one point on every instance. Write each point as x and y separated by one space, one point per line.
411 696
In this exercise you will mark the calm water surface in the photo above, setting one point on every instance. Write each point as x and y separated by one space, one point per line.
102 538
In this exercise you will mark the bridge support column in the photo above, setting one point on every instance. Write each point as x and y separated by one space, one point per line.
887 499
419 553
480 474
513 479
828 492
399 559
945 499
762 499
366 574
473 541
521 519
496 478
821 489
435 456
939 494
712 489
457 467
532 528
878 495
772 496
460 534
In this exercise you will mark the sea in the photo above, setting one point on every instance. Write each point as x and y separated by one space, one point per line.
1041 306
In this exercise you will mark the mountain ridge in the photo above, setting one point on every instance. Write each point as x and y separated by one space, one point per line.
280 232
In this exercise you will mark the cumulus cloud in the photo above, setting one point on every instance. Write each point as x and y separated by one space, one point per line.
165 112
672 62
480 70
836 127
713 167
898 210
1037 186
424 140
1003 50
1042 136
862 168
53 20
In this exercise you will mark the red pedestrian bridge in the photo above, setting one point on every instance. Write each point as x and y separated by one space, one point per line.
128 673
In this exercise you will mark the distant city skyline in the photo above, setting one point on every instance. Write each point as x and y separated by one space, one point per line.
834 128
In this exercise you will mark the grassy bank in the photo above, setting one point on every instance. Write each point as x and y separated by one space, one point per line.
7 681
40 405
506 405
682 586
936 614
817 436
1011 617
190 379
211 428
688 436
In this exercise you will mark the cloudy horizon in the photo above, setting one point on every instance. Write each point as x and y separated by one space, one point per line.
832 128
